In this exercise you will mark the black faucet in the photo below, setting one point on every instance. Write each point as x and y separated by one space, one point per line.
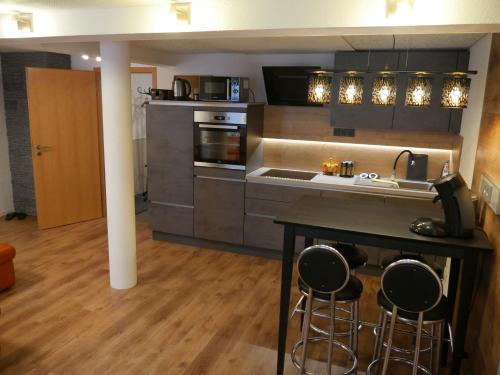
411 156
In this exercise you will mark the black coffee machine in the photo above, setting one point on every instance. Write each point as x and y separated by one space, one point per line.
458 211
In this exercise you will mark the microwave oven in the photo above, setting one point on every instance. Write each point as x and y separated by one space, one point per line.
224 89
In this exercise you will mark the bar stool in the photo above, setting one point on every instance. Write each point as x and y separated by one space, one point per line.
356 258
325 278
411 293
389 259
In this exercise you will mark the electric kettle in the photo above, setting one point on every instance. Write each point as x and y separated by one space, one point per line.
182 89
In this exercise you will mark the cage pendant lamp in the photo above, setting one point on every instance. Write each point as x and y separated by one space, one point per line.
418 92
384 91
455 92
319 90
351 90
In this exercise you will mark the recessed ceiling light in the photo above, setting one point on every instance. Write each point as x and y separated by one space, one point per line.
85 57
98 58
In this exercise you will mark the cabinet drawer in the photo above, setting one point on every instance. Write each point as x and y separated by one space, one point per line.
173 185
264 233
277 193
219 209
265 207
219 173
171 219
345 196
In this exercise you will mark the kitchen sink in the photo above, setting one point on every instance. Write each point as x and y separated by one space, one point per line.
414 185
388 183
289 174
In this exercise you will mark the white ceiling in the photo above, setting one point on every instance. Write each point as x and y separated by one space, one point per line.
309 44
72 4
184 44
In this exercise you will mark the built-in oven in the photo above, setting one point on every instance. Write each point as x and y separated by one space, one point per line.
220 139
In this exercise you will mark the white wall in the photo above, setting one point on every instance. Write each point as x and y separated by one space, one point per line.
6 202
225 64
471 117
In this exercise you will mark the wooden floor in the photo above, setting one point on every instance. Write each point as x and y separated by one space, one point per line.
194 311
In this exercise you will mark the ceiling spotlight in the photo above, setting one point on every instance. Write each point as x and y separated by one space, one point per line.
24 22
85 57
98 58
418 92
455 92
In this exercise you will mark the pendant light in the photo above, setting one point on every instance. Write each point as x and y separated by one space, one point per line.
351 90
384 87
384 90
320 89
418 92
455 92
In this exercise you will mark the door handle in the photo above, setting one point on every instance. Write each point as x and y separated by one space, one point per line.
42 148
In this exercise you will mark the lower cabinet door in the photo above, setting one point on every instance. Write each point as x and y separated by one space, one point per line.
171 219
219 209
262 232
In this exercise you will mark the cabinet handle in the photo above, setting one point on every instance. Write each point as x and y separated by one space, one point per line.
222 179
225 127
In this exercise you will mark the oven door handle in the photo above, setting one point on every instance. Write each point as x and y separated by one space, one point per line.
226 127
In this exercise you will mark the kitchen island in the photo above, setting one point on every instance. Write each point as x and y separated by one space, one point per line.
382 225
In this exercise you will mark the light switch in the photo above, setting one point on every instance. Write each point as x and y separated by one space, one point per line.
490 193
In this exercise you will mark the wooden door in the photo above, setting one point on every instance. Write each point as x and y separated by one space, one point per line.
63 112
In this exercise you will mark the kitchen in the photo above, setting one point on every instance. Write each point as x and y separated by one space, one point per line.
316 202
225 170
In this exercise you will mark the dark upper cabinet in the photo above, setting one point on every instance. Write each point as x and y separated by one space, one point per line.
365 115
401 117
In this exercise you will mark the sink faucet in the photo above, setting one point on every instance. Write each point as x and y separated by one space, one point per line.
411 156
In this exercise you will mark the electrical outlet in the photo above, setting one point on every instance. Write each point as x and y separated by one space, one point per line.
490 193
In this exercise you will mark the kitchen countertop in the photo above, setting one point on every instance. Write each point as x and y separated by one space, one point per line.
193 103
324 182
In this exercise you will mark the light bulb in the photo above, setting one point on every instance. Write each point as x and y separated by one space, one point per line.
319 91
85 57
418 94
98 59
385 92
455 95
351 92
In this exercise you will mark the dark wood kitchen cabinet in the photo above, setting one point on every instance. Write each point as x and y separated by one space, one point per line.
263 202
170 168
398 117
219 198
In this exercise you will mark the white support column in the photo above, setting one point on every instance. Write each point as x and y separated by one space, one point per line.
118 158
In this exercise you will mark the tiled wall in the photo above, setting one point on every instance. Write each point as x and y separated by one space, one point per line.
301 138
17 120
483 343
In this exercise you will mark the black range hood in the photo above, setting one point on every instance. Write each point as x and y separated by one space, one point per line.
288 85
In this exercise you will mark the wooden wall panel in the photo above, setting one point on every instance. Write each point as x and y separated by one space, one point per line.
483 345
313 124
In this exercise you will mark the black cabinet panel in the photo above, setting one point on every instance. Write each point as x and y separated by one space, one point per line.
431 118
365 115
401 117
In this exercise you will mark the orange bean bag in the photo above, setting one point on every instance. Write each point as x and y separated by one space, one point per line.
7 276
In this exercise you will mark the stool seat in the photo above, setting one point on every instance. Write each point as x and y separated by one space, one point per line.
440 312
354 255
394 258
351 291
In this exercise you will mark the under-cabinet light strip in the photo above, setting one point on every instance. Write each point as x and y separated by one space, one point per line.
361 145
